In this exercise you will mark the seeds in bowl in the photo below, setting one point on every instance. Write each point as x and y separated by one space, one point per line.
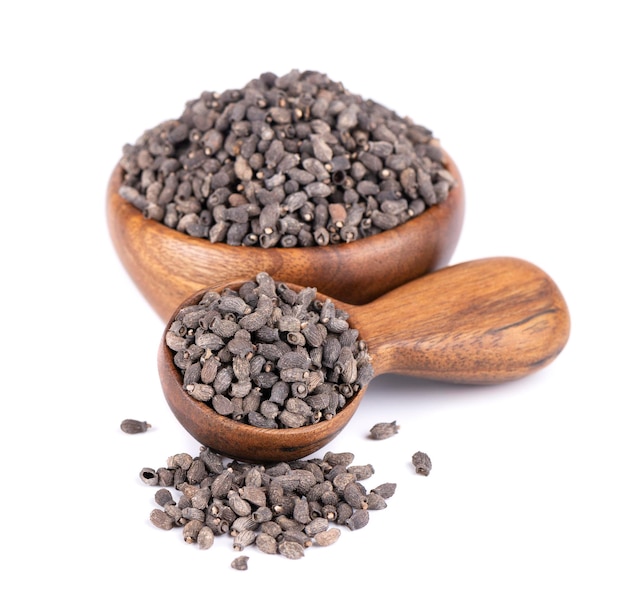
285 161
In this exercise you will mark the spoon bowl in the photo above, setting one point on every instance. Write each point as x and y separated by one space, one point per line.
167 265
480 322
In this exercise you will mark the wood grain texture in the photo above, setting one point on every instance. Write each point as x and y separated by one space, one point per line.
481 322
484 321
167 266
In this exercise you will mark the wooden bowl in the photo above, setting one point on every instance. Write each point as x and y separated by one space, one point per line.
167 266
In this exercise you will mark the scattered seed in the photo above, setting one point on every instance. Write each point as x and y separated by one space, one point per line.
422 463
240 563
161 520
328 537
134 426
283 508
384 430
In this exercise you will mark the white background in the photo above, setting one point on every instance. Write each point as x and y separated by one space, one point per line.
526 494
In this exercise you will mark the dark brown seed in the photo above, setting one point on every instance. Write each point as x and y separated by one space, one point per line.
338 458
375 501
317 525
205 538
361 471
191 530
386 490
149 476
240 563
222 404
163 497
200 391
327 537
176 514
161 520
358 519
421 462
266 543
343 512
134 426
354 495
384 430
291 549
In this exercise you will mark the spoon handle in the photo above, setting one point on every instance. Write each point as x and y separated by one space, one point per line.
479 322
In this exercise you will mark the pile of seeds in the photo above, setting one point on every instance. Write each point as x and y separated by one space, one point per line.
268 355
295 160
281 508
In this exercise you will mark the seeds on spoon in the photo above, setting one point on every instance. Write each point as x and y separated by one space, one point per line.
268 355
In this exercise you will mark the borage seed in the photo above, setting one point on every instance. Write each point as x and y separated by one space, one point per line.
289 506
234 163
421 462
266 344
384 430
134 426
240 563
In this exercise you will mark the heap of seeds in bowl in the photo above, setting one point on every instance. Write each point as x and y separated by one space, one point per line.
295 160
268 355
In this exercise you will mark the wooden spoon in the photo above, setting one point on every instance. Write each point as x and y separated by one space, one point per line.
480 322
167 266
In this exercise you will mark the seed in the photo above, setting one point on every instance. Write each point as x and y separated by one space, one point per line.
361 471
175 513
358 519
384 430
291 420
201 498
386 490
422 463
205 538
322 151
134 426
243 523
243 539
301 511
201 392
239 505
240 563
191 530
338 458
161 520
291 549
191 513
316 526
375 501
266 543
354 495
149 476
327 537
163 497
